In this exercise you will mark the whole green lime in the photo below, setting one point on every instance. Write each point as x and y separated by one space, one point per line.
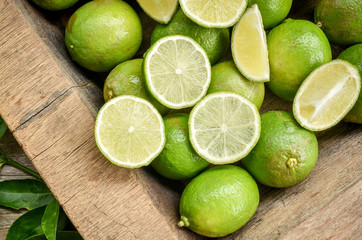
353 55
55 5
178 160
296 48
219 201
341 20
272 11
102 34
285 154
215 41
127 79
226 77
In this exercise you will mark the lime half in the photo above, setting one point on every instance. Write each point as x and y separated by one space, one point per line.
224 127
177 71
214 13
327 95
129 131
249 47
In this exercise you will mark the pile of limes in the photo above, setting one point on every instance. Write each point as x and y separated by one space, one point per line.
185 107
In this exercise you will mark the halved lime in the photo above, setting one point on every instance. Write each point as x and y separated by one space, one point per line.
129 131
177 71
249 47
159 10
214 13
327 95
224 127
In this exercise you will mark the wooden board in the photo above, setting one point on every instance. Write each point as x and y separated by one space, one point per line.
50 104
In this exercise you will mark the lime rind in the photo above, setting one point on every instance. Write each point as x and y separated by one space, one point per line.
252 10
353 71
248 145
202 83
103 149
194 17
163 20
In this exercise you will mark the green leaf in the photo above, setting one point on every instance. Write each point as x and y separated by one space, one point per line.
24 193
27 225
49 221
71 235
3 127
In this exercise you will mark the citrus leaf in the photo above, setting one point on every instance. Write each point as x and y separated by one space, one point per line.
27 225
66 235
54 219
24 193
3 127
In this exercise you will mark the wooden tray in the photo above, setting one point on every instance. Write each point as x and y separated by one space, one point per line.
50 104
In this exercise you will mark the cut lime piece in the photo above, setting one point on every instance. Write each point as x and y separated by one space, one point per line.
249 47
177 71
327 95
214 13
159 10
224 127
129 131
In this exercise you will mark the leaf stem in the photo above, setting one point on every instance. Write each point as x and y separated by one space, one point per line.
4 159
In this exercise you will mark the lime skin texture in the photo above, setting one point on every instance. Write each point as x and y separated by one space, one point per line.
296 48
341 20
178 160
127 79
219 201
215 41
225 77
103 33
285 154
353 55
55 5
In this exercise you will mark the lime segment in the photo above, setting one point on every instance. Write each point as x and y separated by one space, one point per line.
129 131
327 95
224 127
159 10
214 13
249 47
177 71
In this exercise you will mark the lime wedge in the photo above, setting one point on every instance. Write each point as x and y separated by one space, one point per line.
129 131
327 95
159 10
224 127
177 71
214 13
249 47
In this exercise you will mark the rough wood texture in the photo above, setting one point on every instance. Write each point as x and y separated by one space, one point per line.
50 103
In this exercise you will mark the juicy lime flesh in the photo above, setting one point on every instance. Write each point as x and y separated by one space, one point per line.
226 77
217 13
178 160
327 94
127 79
129 132
249 46
219 201
178 72
285 154
161 11
224 128
215 41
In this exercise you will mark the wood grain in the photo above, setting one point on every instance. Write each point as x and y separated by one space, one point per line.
50 103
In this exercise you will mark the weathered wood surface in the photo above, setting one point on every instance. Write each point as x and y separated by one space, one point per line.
49 104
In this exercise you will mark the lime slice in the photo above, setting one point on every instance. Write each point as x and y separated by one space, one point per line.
159 10
224 127
214 13
177 71
327 95
129 131
249 47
